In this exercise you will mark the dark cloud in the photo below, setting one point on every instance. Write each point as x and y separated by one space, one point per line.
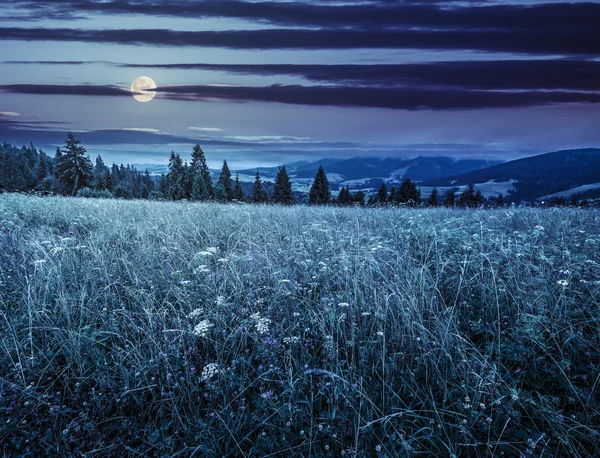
62 89
547 16
560 41
503 74
405 98
570 74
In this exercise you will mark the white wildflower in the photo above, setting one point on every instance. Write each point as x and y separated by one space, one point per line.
185 282
205 253
202 328
196 313
539 228
209 371
223 260
39 262
291 340
212 249
202 269
260 324
563 282
343 304
57 249
220 300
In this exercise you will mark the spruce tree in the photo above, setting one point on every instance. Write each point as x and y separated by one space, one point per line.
225 181
199 188
258 195
199 166
175 178
238 192
74 169
408 193
100 174
319 193
433 198
382 194
220 193
450 198
282 191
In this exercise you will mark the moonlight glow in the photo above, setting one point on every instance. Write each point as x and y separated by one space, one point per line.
140 89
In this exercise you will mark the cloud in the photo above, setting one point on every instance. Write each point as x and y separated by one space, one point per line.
365 15
563 41
205 129
403 98
487 74
63 89
10 114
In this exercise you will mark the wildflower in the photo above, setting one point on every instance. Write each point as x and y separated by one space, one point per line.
378 448
57 249
212 249
185 282
539 228
209 371
380 333
291 340
220 300
39 262
223 260
267 395
202 328
563 282
202 269
205 253
343 304
196 313
261 324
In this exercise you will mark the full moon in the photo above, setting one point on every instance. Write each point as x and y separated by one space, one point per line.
139 89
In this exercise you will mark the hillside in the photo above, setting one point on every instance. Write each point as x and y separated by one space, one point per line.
536 176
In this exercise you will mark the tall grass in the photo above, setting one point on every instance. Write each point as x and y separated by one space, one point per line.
164 329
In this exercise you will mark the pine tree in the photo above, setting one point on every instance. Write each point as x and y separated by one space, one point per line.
345 198
199 166
359 197
220 193
282 192
450 198
500 200
73 168
469 198
319 193
408 193
199 188
225 181
259 195
382 194
433 198
100 174
238 192
175 178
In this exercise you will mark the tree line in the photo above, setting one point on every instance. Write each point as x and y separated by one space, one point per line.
71 172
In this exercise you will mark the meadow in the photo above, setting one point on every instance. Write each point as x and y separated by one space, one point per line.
137 328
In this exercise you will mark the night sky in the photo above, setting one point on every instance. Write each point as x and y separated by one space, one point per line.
264 83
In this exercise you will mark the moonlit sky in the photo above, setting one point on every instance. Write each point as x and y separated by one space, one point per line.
264 83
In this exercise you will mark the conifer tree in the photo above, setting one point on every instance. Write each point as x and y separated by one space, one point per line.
282 192
259 195
450 198
199 166
408 193
345 198
199 188
382 194
469 198
238 192
175 178
220 193
225 181
500 200
319 193
433 198
73 168
100 174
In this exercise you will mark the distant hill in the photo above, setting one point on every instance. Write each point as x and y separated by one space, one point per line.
537 176
364 169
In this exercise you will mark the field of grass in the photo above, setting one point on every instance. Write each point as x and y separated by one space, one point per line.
164 329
